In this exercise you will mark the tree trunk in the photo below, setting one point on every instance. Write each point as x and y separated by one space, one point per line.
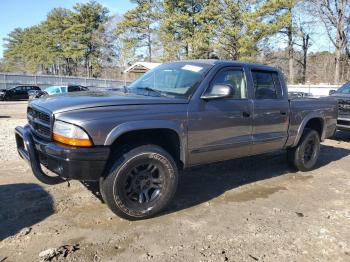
290 51
304 68
291 59
337 65
340 42
186 50
306 39
149 40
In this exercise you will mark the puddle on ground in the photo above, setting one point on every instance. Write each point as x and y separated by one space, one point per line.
257 192
253 193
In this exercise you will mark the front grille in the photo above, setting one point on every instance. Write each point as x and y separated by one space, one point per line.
40 122
344 107
39 115
343 123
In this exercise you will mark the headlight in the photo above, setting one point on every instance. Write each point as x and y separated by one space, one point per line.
70 134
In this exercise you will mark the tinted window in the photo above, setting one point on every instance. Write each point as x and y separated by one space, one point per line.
20 88
30 88
73 88
234 78
266 85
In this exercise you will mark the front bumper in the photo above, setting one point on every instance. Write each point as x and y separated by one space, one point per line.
67 162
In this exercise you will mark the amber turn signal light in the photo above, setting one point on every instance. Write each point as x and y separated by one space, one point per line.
72 141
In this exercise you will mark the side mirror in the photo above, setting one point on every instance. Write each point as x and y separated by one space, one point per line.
331 92
219 91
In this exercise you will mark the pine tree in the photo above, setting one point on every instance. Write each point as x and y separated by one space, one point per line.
189 28
233 41
60 44
275 17
138 26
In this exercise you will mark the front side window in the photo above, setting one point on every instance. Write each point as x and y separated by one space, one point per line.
173 79
266 85
20 88
234 78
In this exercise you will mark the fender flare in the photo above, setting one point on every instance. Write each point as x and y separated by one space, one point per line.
307 118
177 127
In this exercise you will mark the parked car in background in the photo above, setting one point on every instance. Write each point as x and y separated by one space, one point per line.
343 97
178 115
18 92
53 90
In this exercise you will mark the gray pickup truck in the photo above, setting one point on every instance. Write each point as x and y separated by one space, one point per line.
178 115
343 97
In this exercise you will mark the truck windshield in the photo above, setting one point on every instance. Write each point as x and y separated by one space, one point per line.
173 79
345 89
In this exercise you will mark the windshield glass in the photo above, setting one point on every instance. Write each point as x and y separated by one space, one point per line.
173 79
345 89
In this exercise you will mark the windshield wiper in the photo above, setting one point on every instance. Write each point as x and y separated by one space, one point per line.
146 88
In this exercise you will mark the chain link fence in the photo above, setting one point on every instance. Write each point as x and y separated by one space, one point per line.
8 80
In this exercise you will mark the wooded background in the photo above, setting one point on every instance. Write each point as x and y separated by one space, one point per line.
89 41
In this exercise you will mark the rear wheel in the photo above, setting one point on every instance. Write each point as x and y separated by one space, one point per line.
305 155
141 182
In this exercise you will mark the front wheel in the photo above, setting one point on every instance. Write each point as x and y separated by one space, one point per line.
141 182
305 155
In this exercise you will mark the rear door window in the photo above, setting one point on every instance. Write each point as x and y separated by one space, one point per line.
266 85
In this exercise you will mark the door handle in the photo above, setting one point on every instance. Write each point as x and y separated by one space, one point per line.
246 114
283 113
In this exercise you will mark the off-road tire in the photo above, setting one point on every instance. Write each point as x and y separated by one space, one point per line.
304 156
115 184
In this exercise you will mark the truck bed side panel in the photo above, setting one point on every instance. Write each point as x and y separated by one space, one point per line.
303 110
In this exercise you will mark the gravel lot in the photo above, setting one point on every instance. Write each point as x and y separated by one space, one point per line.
252 209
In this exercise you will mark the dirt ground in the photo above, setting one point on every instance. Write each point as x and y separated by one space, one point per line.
251 209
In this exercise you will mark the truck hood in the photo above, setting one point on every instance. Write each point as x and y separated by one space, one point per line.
341 96
90 99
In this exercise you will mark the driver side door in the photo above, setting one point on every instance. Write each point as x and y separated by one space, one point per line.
221 129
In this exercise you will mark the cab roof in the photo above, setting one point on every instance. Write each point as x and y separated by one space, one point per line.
228 63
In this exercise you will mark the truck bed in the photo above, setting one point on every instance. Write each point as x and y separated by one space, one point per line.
303 109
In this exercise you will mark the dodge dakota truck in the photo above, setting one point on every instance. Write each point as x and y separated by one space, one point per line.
343 97
178 115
